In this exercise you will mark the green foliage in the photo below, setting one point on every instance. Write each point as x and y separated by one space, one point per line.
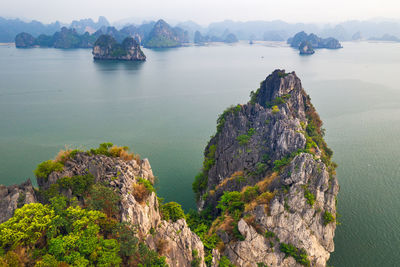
282 74
209 159
149 257
225 262
254 95
309 196
44 169
299 255
278 101
231 202
21 199
245 138
196 259
199 184
269 234
222 118
149 186
250 193
105 199
278 164
328 217
79 185
172 211
275 109
103 149
26 226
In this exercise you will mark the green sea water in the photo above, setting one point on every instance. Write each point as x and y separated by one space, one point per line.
166 108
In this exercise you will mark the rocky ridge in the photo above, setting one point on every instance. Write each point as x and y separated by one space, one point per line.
314 40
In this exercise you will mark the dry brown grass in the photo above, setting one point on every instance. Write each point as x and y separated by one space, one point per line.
121 152
140 192
63 155
221 246
233 176
263 185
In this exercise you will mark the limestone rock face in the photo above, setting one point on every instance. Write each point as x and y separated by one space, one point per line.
172 239
268 144
106 48
13 197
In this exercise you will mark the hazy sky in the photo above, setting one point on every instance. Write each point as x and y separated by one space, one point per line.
202 11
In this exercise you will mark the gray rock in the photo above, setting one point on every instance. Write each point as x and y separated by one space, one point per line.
13 197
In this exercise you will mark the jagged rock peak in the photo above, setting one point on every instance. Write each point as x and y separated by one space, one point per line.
268 181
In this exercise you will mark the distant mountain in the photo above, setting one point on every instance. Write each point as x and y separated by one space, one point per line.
314 40
386 37
88 25
163 36
9 28
226 37
66 38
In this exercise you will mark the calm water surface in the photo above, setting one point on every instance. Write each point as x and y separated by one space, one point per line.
165 109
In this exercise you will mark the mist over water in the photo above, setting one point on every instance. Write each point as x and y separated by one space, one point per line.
165 109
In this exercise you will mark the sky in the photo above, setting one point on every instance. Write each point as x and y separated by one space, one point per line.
202 11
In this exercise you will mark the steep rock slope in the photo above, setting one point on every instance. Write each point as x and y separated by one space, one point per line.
268 179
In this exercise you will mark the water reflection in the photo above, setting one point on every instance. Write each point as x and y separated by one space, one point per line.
115 65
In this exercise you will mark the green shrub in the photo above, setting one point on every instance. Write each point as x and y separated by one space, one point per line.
199 184
231 201
299 255
269 234
172 211
225 262
79 184
196 261
26 226
278 164
44 169
104 199
245 138
149 186
328 218
250 193
275 109
309 196
149 257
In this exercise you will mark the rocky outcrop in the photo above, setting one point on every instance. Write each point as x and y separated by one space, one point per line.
272 153
171 239
13 197
107 48
163 36
306 48
24 40
314 40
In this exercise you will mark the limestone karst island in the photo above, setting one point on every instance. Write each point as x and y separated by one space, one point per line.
266 195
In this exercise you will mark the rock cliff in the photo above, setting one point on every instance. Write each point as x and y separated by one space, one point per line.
131 179
268 180
107 48
13 197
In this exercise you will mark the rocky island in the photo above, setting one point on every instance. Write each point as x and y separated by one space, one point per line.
164 36
313 40
306 48
107 48
266 196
